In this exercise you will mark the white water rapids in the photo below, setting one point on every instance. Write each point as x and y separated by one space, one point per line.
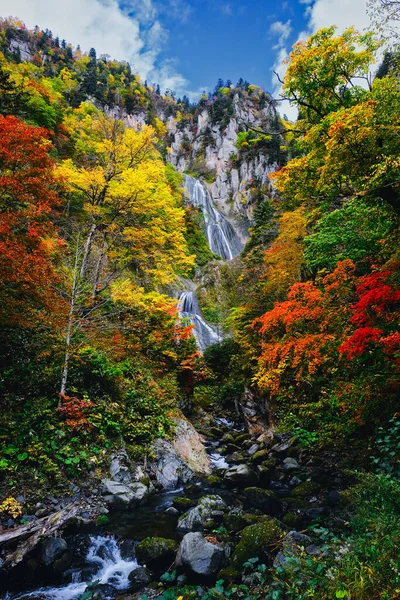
112 569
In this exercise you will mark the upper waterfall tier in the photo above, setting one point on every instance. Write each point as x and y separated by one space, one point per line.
221 236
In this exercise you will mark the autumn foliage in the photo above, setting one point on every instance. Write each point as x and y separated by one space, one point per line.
28 239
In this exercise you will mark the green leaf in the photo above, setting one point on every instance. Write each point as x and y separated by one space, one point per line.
22 456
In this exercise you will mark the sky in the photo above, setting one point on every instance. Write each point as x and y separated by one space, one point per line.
186 45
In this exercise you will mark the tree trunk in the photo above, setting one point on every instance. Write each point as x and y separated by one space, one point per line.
86 253
64 377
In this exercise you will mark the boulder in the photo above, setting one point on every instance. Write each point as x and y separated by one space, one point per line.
199 555
240 475
306 489
181 461
260 456
140 578
52 550
264 500
117 494
209 507
290 464
157 553
257 540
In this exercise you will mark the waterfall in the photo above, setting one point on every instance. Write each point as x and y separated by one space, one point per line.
112 569
221 236
223 241
189 308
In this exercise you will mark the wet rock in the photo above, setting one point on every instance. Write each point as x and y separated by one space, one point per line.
257 540
214 480
121 467
156 552
242 437
281 489
264 475
182 460
259 457
172 511
237 457
117 494
127 549
102 591
206 510
52 549
253 449
199 555
290 464
241 474
140 578
182 503
264 500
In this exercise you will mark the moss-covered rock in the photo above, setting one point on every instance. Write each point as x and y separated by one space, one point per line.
182 503
259 457
237 520
229 575
227 438
156 552
292 520
214 480
306 489
257 540
242 437
295 503
264 500
270 463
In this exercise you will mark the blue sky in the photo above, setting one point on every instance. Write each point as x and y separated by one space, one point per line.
186 45
230 39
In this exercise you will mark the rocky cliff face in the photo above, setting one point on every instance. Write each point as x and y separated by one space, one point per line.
205 145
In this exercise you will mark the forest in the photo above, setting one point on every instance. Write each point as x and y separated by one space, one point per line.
298 396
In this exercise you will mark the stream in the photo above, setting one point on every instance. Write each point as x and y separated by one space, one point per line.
106 556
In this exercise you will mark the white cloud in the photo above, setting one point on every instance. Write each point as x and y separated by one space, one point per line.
342 13
134 34
282 30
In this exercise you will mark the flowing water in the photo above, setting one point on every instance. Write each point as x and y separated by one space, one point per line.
188 307
112 569
222 238
223 241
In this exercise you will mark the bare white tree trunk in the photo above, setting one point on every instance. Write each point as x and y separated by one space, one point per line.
64 377
86 252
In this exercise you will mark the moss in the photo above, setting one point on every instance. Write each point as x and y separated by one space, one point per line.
145 481
307 488
264 500
292 520
270 463
213 480
295 503
243 437
229 575
182 503
260 456
236 521
257 540
155 549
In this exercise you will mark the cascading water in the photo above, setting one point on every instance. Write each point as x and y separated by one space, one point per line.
223 241
113 570
189 308
222 238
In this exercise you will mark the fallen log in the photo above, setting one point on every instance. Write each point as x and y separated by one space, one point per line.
28 536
